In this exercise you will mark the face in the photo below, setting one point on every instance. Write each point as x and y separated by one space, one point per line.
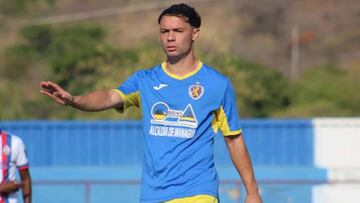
177 36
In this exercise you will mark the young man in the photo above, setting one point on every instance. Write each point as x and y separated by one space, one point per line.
13 156
184 102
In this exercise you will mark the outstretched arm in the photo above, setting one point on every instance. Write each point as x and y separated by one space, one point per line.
241 159
26 185
93 101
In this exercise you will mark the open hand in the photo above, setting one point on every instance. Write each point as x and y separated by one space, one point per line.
55 92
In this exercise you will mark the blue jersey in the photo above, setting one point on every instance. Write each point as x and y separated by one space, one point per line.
181 116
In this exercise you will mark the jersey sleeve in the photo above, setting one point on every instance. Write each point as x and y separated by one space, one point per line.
21 159
226 118
129 92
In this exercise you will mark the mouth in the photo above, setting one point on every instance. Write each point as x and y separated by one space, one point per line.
171 48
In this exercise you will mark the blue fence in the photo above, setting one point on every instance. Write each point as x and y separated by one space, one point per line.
83 158
117 143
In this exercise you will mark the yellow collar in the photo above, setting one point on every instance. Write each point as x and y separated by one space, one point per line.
164 67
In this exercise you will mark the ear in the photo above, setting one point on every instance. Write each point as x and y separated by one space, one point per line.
195 33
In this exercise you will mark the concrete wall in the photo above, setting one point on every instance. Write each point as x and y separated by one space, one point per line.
337 148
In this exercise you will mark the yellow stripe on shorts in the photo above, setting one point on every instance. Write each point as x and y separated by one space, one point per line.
195 199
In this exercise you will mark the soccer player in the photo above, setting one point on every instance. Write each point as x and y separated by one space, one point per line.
13 157
184 102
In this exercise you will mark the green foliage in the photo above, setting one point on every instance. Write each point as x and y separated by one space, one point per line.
260 90
16 61
78 58
2 23
72 52
320 83
20 7
324 91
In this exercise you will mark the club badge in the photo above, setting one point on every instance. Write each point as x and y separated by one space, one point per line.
196 91
6 150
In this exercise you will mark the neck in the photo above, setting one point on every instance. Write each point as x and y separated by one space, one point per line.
181 66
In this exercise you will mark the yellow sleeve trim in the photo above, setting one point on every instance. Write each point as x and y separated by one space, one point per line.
220 122
132 99
230 133
120 93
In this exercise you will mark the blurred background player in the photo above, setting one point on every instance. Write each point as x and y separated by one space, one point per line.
13 157
184 102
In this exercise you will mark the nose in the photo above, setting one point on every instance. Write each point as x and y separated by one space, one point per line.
171 37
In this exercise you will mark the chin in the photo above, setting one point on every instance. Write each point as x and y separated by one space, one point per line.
172 54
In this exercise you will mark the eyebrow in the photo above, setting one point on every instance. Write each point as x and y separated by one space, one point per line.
177 28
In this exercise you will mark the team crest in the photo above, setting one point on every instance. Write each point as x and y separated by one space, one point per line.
6 150
196 91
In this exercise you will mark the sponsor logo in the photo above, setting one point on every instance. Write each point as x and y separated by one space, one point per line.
160 86
171 122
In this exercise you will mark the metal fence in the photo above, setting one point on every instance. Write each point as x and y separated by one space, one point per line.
281 150
114 143
127 191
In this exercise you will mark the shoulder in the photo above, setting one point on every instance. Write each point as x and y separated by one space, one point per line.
146 72
16 140
11 136
215 76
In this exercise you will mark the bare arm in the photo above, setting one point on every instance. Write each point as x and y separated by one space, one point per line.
9 187
26 185
241 159
93 101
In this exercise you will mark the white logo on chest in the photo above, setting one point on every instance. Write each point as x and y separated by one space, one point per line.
160 86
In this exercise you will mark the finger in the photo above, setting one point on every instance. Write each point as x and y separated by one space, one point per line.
63 94
46 86
54 97
60 95
46 92
49 89
43 83
54 85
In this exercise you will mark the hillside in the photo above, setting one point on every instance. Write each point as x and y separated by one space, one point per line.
88 45
328 30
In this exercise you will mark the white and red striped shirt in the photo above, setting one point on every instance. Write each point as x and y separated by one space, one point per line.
12 157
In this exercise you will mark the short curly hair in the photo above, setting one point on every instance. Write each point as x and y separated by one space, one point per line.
184 11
